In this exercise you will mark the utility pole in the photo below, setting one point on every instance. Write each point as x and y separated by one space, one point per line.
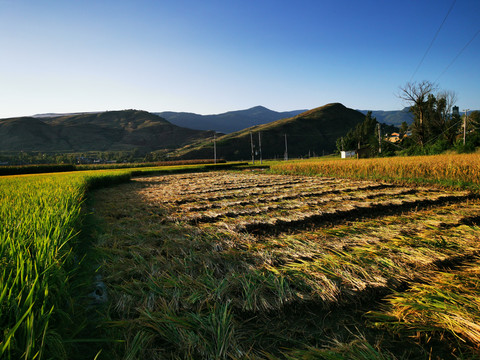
286 149
260 146
251 145
379 138
215 148
465 126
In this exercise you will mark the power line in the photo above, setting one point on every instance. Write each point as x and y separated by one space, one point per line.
459 53
433 40
432 140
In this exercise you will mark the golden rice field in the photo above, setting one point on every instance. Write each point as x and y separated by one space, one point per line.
450 170
249 265
344 259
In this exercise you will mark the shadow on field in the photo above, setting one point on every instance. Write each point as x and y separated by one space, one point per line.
178 291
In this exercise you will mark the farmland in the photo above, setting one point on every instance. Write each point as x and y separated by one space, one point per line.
47 277
40 218
374 259
453 170
255 265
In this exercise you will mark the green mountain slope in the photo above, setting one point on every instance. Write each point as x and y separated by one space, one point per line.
314 131
106 131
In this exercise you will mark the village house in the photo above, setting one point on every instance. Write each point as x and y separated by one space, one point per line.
347 154
394 137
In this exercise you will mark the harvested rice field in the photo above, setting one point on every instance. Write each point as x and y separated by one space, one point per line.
249 265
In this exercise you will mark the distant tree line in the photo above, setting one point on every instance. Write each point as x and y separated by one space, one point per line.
366 135
91 157
436 128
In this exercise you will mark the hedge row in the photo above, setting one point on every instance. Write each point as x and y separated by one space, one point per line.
38 169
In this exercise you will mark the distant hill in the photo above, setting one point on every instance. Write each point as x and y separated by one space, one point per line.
105 131
51 115
394 117
237 120
227 122
313 131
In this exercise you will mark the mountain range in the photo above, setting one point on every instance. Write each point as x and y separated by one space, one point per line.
395 117
105 131
312 132
232 121
227 122
188 135
237 120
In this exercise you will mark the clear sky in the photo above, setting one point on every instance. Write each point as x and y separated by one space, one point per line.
212 56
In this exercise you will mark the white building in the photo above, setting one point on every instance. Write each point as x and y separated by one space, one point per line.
347 154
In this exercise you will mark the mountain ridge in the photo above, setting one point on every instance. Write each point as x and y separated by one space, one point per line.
392 117
237 120
105 131
313 131
147 132
227 122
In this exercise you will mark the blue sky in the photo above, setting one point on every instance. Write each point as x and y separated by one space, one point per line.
213 56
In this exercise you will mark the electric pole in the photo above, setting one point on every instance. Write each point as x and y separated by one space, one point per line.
379 138
251 145
286 149
260 146
214 148
465 125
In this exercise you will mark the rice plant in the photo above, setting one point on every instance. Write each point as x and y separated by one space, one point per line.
178 285
445 302
449 170
40 217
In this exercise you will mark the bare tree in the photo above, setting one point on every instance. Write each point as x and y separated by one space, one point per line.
416 95
450 98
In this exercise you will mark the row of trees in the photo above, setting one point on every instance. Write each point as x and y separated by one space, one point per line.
435 127
32 157
368 136
433 116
